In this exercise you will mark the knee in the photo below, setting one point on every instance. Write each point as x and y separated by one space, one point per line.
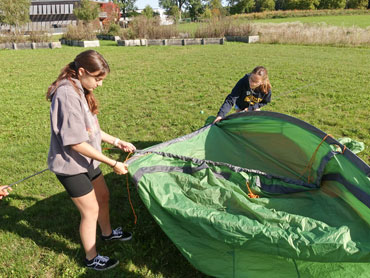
91 212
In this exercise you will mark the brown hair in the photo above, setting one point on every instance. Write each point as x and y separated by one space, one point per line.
91 61
261 74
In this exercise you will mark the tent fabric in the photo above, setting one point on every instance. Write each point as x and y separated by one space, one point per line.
355 146
312 216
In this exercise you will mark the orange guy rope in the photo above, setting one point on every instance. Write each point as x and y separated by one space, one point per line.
310 163
128 191
250 194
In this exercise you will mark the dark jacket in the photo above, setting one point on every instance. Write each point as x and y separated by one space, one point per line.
244 97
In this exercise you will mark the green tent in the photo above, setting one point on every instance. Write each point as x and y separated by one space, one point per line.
260 194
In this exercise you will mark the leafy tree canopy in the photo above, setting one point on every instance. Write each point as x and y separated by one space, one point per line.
148 11
14 12
127 7
358 4
86 11
195 9
168 4
241 6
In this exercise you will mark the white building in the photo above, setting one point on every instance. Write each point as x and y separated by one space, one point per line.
54 14
165 19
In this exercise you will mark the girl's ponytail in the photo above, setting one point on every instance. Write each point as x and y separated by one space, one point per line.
91 61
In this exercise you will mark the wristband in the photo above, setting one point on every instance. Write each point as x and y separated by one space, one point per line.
115 143
115 164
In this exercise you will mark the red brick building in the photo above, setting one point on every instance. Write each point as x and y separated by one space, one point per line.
108 11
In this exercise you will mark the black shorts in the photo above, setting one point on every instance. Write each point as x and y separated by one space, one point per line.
80 184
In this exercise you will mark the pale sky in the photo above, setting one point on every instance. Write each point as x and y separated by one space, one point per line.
142 3
155 3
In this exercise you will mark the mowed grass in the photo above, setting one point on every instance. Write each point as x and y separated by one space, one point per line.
153 94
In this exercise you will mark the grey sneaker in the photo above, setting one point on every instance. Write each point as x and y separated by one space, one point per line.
118 234
101 263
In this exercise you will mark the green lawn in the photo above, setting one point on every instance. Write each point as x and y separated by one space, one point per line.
153 94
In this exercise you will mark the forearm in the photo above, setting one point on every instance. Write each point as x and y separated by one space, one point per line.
115 141
87 150
226 106
107 138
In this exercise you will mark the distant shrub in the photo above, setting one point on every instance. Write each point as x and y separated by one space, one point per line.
12 37
242 30
114 29
126 34
81 32
217 28
20 37
214 28
148 28
39 36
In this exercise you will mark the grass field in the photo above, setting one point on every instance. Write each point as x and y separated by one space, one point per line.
153 94
361 21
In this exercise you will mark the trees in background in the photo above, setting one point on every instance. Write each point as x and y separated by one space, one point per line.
148 11
197 9
265 5
168 5
86 11
332 4
127 7
175 13
358 4
298 4
14 13
241 6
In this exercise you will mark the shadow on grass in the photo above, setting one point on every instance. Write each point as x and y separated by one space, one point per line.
52 223
44 222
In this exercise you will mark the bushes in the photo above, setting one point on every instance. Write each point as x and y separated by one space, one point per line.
19 37
112 29
224 27
80 32
13 37
148 28
212 29
39 36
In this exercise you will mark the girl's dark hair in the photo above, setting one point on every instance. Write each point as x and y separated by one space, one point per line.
261 74
91 61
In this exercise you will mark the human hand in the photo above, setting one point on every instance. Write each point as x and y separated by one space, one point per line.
4 191
120 168
126 146
218 118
